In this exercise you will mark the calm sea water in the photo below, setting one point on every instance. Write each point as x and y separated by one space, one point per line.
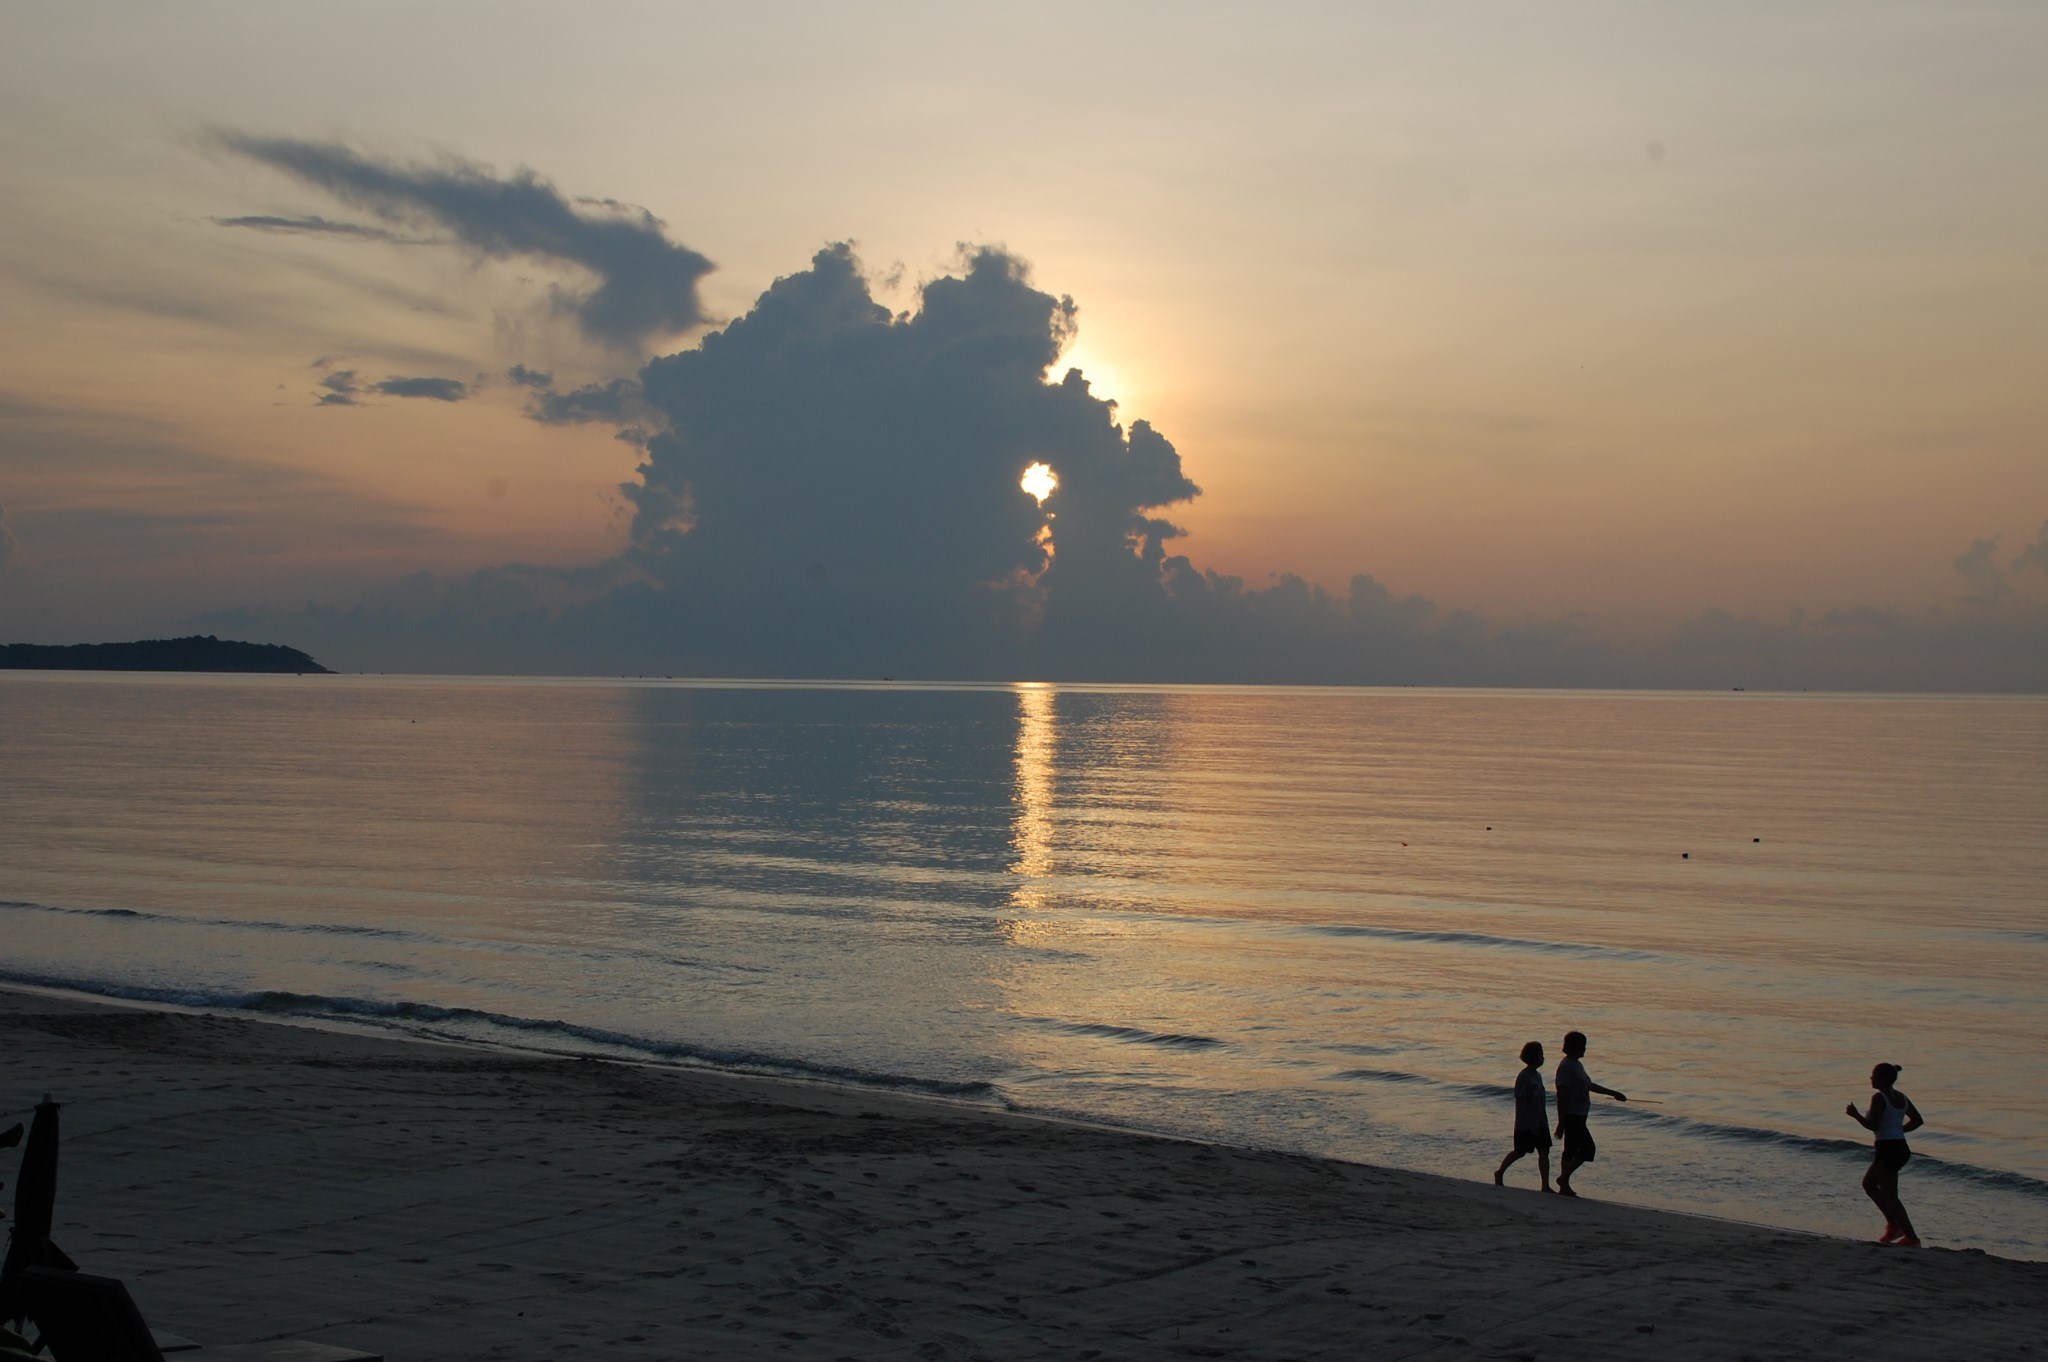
1321 920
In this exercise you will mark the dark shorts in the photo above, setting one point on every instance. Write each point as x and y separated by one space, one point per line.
1893 1154
1529 1141
1578 1141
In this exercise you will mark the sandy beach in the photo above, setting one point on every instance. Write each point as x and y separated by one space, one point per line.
252 1180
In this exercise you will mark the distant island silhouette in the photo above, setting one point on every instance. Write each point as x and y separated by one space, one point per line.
199 653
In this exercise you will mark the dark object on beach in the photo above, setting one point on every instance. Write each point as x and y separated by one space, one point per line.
199 653
90 1319
80 1318
35 1201
8 1139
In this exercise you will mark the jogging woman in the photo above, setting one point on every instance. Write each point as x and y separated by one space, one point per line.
1891 1115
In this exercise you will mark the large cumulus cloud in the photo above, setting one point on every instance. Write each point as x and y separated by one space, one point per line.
834 482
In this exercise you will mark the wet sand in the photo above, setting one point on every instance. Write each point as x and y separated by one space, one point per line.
253 1180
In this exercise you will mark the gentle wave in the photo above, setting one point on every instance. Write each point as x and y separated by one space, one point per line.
384 933
1820 1144
421 1017
249 924
1485 1090
1513 943
1132 1034
1997 1178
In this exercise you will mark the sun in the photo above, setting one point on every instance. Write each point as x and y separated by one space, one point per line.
1040 481
1105 381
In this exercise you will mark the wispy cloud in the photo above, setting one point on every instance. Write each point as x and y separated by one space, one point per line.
647 284
437 389
344 386
319 226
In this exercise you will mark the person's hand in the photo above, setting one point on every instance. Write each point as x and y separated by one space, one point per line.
1621 1097
1559 1132
1851 1108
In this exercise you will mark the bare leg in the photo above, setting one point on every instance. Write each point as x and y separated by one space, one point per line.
1903 1221
1543 1163
1565 1170
1881 1185
1500 1173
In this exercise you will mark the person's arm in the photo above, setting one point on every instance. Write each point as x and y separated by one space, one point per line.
1608 1092
1913 1121
1867 1122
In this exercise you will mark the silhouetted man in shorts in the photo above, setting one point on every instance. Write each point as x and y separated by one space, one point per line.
1575 1089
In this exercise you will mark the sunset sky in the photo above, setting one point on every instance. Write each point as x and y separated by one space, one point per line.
1616 343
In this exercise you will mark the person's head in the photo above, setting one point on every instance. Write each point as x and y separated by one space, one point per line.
1883 1076
1532 1053
1575 1043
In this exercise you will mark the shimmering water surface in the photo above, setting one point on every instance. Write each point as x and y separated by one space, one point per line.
1322 920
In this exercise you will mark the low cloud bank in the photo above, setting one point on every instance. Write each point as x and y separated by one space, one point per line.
829 489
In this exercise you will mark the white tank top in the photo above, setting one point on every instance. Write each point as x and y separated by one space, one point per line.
1891 1120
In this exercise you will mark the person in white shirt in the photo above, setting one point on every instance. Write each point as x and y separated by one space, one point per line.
1891 1115
1575 1089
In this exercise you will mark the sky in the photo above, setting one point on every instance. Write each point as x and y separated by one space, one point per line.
1573 344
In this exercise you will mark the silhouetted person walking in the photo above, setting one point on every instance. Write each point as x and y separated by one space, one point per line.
1575 1091
1891 1115
1532 1116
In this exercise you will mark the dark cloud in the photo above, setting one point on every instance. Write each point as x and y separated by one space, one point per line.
618 402
319 226
344 386
439 389
2034 555
341 388
1988 585
647 284
834 482
530 378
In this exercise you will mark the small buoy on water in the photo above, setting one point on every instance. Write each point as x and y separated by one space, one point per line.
1756 839
1685 855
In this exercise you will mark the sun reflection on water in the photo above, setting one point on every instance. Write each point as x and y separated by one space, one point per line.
1031 836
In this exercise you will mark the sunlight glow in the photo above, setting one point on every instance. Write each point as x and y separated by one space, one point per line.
1040 481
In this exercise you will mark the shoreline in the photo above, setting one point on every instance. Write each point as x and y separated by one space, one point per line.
892 1087
430 1200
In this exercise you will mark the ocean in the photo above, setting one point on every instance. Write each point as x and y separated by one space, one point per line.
1321 920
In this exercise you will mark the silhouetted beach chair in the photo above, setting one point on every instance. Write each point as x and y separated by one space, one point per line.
82 1318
